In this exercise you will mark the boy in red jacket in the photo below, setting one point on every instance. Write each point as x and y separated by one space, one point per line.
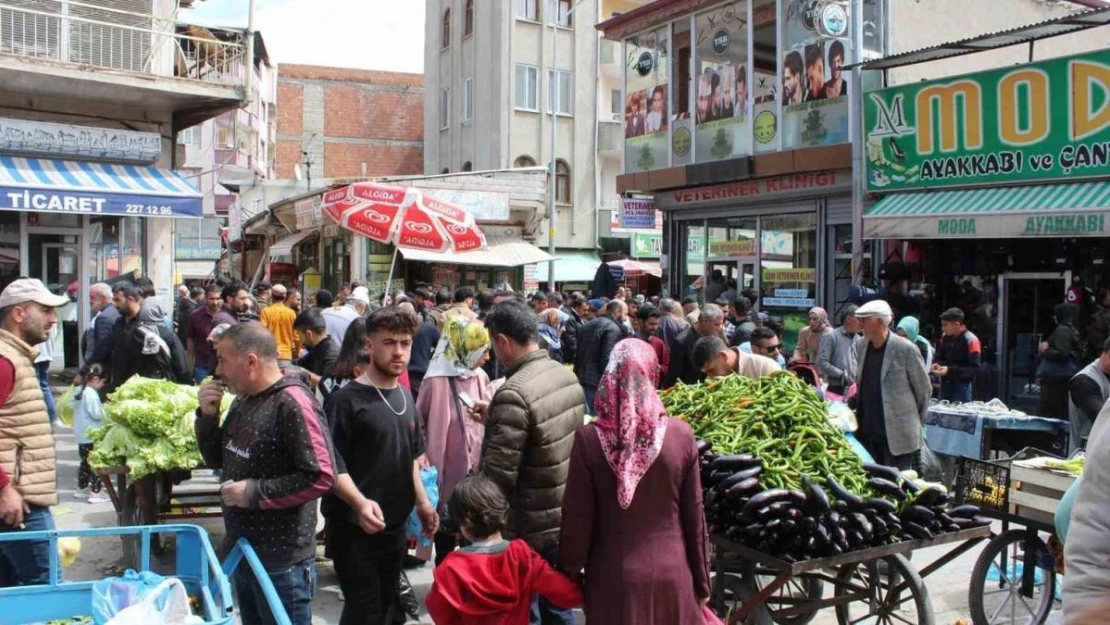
492 581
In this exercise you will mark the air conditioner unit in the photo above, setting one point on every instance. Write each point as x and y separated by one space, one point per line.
617 117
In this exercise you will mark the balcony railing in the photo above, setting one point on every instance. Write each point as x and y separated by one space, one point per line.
184 52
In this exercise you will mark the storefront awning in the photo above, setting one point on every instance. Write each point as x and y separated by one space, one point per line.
571 266
284 247
637 268
499 252
1051 210
80 187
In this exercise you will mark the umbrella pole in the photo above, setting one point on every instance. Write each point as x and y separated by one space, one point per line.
392 265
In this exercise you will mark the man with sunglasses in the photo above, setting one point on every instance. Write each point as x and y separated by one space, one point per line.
766 343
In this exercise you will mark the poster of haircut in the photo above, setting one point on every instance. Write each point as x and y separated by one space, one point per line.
722 83
814 83
646 101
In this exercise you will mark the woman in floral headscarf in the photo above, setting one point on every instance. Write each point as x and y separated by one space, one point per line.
454 440
632 511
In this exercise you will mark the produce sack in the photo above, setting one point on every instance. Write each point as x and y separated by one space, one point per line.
64 406
141 599
414 530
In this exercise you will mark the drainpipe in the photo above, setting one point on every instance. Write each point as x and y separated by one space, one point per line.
249 83
597 144
856 131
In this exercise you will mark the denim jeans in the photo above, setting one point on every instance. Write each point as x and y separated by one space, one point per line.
27 562
295 585
43 371
543 613
199 373
591 395
956 391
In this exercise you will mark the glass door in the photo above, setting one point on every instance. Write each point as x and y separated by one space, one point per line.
1025 318
55 258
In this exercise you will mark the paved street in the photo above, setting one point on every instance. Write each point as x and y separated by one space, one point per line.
948 588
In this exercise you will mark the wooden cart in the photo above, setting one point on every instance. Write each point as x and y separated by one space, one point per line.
874 585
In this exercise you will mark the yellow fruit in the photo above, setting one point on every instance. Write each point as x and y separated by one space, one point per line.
68 548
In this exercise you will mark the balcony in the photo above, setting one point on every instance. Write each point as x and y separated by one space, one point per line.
610 137
118 57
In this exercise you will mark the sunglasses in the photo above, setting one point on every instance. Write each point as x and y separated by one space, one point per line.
773 348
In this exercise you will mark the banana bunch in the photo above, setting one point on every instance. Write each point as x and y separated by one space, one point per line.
68 548
988 494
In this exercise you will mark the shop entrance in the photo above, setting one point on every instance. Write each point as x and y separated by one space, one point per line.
54 256
742 270
1025 317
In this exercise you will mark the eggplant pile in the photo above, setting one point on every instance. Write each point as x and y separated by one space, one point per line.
823 517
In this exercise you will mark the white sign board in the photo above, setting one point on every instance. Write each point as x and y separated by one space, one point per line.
484 205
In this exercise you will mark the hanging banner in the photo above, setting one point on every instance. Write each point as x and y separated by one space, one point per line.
645 107
1035 122
637 214
814 84
721 81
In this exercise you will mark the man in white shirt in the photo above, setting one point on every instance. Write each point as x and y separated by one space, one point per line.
716 359
339 319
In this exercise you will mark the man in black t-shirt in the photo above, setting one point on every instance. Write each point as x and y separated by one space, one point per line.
377 441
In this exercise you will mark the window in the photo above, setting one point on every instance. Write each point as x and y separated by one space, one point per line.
527 10
524 161
616 107
558 12
468 166
446 34
189 136
560 87
562 182
468 19
527 87
468 100
444 108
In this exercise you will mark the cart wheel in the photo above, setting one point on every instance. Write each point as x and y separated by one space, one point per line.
730 591
892 596
998 601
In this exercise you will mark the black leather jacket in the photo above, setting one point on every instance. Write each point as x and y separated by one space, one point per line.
596 340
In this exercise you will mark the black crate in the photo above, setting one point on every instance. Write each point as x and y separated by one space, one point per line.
984 484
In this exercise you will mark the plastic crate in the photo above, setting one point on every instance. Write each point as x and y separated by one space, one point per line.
984 484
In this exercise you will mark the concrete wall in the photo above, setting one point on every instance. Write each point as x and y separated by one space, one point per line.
923 23
346 118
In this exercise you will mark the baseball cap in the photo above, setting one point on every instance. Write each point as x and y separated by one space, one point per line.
30 290
262 286
874 308
279 289
361 294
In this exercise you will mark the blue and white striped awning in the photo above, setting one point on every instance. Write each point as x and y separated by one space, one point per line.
95 188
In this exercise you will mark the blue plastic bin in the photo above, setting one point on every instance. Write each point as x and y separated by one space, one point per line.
196 566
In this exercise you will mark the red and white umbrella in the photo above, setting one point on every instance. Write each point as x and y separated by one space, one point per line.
404 217
633 269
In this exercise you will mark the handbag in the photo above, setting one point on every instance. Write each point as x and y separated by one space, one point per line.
1056 371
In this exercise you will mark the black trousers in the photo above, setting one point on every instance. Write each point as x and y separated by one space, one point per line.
369 567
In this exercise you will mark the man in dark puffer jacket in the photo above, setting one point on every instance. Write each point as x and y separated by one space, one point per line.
529 433
596 341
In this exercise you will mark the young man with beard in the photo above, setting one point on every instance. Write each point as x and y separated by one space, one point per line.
377 442
201 322
276 460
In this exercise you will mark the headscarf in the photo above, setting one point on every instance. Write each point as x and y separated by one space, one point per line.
631 420
912 327
821 314
461 345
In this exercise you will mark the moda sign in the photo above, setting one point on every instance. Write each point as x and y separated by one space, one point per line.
1034 122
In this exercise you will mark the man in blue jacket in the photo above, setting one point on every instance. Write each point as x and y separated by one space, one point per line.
98 336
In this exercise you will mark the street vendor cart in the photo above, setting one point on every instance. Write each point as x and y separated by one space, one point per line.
875 585
1015 577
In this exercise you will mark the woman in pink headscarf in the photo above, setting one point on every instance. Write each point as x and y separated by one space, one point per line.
632 512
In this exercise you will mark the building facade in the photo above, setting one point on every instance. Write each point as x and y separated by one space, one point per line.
234 147
92 96
497 74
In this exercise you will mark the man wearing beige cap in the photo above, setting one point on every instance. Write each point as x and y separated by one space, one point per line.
278 318
27 472
894 389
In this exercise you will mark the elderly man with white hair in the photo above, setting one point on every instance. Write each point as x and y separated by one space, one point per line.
98 336
894 389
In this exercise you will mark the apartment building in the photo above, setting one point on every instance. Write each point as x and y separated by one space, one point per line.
234 147
92 96
496 75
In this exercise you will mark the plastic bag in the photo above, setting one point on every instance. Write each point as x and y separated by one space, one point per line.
414 529
709 618
141 599
65 407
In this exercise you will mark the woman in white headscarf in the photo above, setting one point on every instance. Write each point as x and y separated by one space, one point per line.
453 439
809 339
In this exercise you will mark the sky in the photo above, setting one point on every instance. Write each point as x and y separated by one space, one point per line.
383 35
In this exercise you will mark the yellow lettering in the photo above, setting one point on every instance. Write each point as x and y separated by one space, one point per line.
946 118
1085 77
1036 103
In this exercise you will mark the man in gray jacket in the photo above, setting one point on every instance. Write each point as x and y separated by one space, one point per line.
529 434
836 356
894 390
1087 548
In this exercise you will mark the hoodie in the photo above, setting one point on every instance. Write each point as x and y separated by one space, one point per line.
277 442
494 584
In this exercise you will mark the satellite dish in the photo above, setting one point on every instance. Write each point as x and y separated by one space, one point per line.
297 172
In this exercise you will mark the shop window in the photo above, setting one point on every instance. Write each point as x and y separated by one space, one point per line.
527 10
468 19
524 161
788 258
445 36
562 182
116 246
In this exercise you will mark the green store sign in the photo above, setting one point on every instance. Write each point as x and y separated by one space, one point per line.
649 245
1034 122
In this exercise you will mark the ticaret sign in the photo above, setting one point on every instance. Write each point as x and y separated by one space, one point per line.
1035 122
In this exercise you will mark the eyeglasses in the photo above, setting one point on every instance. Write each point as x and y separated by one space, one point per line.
773 348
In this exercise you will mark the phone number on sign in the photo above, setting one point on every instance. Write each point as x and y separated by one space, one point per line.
148 209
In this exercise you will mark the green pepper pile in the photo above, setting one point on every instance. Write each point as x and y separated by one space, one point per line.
777 418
